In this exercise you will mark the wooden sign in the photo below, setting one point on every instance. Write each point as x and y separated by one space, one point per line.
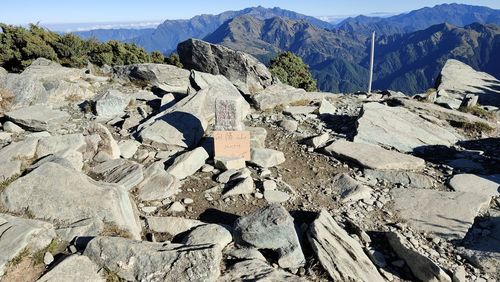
232 144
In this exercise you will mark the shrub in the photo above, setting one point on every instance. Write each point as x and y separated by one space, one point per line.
291 70
174 60
157 57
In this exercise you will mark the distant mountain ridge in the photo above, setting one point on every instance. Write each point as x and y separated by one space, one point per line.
121 34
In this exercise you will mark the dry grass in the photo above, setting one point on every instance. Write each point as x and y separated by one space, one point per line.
55 247
478 111
300 103
474 128
6 99
112 276
73 98
112 230
7 182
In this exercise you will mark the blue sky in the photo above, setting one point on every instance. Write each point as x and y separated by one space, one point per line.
78 11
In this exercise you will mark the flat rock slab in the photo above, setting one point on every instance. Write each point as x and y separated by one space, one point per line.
22 150
262 157
146 261
374 157
75 268
339 254
399 128
257 270
271 228
158 184
126 173
18 234
53 144
405 178
476 184
38 117
349 189
446 214
73 197
9 170
188 163
282 94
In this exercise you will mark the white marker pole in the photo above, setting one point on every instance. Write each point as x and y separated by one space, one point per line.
372 55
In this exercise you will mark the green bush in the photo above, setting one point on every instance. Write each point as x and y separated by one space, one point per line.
174 60
20 46
291 70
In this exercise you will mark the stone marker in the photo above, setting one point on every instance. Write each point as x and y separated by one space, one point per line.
228 115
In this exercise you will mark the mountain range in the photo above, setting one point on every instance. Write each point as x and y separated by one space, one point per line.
410 47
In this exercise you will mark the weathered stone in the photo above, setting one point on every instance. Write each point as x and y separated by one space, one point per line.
188 163
226 176
240 68
422 267
107 144
38 117
228 114
318 141
127 174
72 196
399 128
271 228
128 148
53 144
275 196
11 127
266 157
25 90
158 184
68 158
326 109
459 79
111 104
349 189
339 254
375 157
258 137
282 94
5 137
171 225
215 234
446 214
257 270
22 150
289 125
146 261
18 234
240 186
165 77
225 163
476 184
299 110
9 170
406 178
75 268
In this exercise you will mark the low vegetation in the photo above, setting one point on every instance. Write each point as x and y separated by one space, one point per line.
7 182
478 111
5 100
291 70
20 46
112 230
474 128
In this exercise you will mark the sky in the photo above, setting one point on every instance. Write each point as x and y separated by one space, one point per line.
80 11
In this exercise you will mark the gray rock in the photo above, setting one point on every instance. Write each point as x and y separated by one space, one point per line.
146 261
22 150
476 184
275 196
447 100
11 127
375 157
227 163
256 270
38 117
158 184
258 137
406 178
76 268
166 77
18 234
231 251
326 109
72 196
399 128
54 144
349 189
282 94
9 170
339 254
299 110
240 68
228 114
422 267
271 228
26 90
266 157
176 207
226 176
459 274
448 215
5 137
318 141
68 158
289 125
459 79
111 104
188 163
215 234
107 144
127 174
171 225
128 148
48 258
239 186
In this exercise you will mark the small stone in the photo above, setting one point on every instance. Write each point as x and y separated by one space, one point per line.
259 195
266 158
188 201
48 258
11 127
269 185
176 207
274 196
149 209
226 163
128 148
289 125
207 168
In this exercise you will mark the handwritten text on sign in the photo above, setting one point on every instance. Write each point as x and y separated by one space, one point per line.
233 144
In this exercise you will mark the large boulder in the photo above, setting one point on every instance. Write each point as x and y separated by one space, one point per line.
75 268
165 77
73 197
399 128
448 215
18 234
283 95
38 117
341 256
244 70
188 163
184 124
486 185
458 79
271 228
146 261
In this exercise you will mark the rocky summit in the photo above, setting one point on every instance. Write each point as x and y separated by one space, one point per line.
123 174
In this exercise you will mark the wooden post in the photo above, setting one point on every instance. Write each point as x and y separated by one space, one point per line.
372 55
